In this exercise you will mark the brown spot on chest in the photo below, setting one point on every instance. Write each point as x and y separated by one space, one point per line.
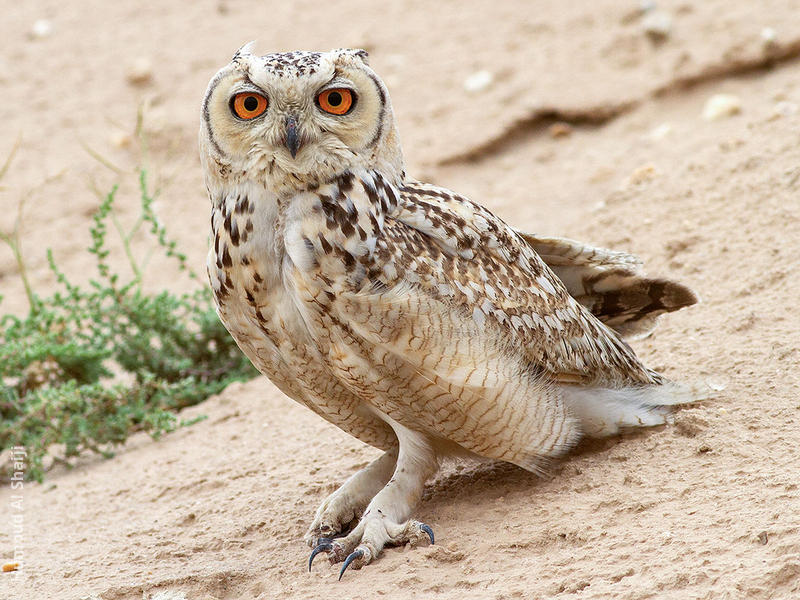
226 258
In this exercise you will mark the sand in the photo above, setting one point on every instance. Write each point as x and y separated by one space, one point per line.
587 128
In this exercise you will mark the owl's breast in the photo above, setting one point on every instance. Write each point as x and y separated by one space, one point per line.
244 264
255 283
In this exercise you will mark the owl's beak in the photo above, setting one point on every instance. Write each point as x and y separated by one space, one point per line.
293 142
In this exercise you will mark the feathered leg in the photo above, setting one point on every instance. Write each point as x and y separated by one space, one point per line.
386 519
349 501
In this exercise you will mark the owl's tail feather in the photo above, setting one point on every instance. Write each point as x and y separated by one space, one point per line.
611 284
605 411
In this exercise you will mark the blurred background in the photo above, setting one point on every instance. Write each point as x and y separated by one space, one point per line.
469 80
669 129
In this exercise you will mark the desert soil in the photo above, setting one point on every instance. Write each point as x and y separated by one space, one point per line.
584 127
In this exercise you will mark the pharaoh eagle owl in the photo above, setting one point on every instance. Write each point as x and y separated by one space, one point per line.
405 314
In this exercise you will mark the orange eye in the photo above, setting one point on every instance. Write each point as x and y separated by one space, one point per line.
248 105
337 101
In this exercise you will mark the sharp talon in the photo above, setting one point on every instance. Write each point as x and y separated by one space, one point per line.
428 530
357 553
323 546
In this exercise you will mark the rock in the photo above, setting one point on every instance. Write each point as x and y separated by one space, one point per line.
140 71
642 174
41 29
721 106
660 132
763 538
478 81
657 25
784 109
768 37
120 139
559 130
646 6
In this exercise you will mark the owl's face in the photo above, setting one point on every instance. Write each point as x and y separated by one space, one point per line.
305 116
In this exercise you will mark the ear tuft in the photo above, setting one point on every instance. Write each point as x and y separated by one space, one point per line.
358 53
244 50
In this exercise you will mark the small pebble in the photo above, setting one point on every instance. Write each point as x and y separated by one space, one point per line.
140 71
657 25
660 132
785 109
720 106
644 173
559 130
120 139
647 5
41 29
716 385
768 36
478 81
763 538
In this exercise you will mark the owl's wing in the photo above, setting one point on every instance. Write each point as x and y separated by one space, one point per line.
611 284
502 276
440 316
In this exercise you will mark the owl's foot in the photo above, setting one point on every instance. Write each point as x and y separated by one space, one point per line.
385 519
349 502
333 517
362 545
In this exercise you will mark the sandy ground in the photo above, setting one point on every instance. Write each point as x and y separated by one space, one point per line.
706 508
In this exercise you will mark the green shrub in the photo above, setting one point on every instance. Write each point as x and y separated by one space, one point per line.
89 366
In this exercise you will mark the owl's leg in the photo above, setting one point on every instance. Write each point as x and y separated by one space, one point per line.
386 520
349 501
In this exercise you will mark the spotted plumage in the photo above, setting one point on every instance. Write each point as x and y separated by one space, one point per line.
409 316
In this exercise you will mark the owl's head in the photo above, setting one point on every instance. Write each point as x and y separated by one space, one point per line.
296 118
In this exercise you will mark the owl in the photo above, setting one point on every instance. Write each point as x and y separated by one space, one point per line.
405 314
